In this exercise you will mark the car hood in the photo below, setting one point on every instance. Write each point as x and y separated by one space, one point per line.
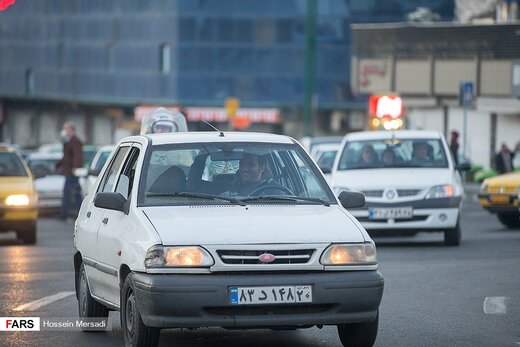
15 185
395 178
49 183
510 180
253 224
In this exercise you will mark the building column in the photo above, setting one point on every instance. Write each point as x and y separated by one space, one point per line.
493 139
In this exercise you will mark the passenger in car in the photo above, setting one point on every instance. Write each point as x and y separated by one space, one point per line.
368 157
388 157
422 153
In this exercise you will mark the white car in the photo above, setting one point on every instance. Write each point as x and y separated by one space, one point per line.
96 165
409 180
174 236
324 154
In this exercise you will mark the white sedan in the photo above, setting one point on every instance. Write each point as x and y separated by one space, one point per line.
237 230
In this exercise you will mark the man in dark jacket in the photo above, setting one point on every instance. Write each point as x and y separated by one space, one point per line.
72 160
454 146
504 160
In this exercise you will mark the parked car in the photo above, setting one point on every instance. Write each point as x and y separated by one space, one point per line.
170 249
409 179
96 165
500 195
18 196
49 183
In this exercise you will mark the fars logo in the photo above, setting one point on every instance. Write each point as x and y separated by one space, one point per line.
19 323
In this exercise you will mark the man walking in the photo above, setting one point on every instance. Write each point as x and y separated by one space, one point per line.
504 160
72 160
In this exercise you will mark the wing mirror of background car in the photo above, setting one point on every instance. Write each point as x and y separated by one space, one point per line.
325 169
351 199
94 172
111 201
463 167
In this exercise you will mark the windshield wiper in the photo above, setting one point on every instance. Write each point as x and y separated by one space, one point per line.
197 195
286 198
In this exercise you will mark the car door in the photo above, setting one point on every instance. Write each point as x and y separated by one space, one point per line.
114 226
87 235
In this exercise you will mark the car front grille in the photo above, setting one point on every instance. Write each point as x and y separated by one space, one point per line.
407 192
252 257
503 190
373 193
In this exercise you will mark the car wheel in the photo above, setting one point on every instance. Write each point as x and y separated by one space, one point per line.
135 333
452 236
88 307
359 334
510 219
28 234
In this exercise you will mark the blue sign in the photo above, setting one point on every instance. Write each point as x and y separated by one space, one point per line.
466 93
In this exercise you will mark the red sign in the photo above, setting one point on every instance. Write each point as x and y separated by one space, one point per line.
4 4
385 106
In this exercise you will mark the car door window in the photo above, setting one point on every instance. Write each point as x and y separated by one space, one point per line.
126 178
109 179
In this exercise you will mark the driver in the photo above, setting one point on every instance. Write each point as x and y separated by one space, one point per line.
249 172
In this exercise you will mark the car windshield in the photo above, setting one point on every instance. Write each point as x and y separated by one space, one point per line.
42 166
216 173
103 156
393 153
11 165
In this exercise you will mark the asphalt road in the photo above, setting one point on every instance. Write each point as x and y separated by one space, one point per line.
434 295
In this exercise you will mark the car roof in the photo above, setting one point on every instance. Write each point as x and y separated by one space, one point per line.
44 155
213 136
399 134
7 148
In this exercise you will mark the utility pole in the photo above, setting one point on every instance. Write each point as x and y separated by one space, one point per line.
310 65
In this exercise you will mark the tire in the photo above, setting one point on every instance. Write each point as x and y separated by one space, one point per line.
87 306
359 334
510 220
28 234
452 236
135 333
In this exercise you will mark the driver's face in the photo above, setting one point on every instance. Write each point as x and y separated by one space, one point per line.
250 170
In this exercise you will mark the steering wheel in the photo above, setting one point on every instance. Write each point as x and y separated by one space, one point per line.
267 186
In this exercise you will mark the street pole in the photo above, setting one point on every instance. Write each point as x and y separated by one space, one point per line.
465 130
310 64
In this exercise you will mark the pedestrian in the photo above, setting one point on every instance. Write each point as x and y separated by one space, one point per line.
504 160
72 160
454 146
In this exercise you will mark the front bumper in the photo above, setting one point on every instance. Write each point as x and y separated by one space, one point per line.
173 300
14 218
428 215
499 202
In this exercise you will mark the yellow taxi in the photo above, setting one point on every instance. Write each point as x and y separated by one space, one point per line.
18 197
499 195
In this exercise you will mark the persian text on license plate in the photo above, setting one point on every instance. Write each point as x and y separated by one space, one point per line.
270 295
390 213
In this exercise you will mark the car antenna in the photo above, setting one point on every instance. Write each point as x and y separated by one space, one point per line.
215 128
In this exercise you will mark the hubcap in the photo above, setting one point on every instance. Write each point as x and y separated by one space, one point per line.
130 314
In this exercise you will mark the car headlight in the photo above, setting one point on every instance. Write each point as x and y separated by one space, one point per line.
349 254
193 256
17 200
444 191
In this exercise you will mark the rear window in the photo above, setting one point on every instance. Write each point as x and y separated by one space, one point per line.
11 165
393 153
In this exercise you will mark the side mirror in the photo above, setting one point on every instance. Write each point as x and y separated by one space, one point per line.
463 167
351 199
110 201
326 169
94 172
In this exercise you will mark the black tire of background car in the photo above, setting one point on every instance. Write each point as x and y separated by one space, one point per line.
452 236
138 334
509 219
28 234
87 306
359 334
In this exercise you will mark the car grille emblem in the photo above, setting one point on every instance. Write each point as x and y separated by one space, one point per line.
266 258
390 194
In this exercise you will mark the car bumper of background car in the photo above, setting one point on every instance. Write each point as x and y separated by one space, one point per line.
13 218
499 202
427 215
175 300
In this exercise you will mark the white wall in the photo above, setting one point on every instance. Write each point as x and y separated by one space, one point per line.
508 130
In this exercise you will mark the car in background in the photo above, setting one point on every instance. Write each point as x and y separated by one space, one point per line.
173 250
89 151
499 195
409 180
309 143
49 182
324 155
18 197
96 165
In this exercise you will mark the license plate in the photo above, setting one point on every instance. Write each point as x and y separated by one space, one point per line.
270 295
390 213
499 199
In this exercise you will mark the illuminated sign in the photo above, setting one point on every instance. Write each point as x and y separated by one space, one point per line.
4 4
382 106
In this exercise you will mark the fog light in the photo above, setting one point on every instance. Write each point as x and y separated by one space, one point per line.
443 217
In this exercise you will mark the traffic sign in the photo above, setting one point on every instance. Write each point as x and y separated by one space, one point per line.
232 105
466 93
